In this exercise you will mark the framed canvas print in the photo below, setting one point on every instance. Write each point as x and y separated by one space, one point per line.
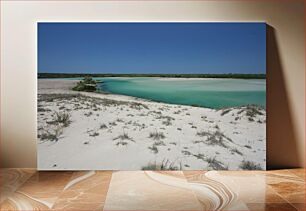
151 96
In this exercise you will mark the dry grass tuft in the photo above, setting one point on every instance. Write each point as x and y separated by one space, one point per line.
157 135
164 166
249 165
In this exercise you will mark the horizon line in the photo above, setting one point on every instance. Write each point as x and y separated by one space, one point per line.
156 73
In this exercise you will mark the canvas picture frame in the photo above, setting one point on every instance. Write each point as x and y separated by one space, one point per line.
151 96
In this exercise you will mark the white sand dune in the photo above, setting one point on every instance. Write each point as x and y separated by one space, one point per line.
111 132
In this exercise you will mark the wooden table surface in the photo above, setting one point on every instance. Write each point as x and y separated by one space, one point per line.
28 189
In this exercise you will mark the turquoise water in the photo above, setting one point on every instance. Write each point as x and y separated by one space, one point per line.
211 93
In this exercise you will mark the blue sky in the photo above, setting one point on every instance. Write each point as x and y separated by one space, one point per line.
152 47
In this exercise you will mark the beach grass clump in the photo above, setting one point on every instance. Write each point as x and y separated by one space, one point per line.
153 148
156 112
51 136
94 134
177 112
62 118
138 106
88 114
103 126
167 122
151 167
165 117
199 156
215 138
159 143
251 119
249 165
165 165
157 135
124 136
112 123
119 120
140 126
40 109
203 133
214 164
185 152
248 146
226 111
123 143
156 144
197 142
252 111
235 150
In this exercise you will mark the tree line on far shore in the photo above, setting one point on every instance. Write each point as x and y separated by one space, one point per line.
77 75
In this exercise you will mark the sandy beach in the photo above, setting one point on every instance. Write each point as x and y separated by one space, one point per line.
81 130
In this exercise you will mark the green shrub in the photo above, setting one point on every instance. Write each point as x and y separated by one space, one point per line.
86 85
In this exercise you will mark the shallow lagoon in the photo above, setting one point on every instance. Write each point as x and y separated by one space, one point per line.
211 93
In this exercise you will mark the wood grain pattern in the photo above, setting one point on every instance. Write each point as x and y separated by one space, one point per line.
26 189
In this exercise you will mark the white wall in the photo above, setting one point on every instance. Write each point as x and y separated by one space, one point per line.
18 63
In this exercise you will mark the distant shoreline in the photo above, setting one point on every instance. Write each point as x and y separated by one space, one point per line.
75 75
